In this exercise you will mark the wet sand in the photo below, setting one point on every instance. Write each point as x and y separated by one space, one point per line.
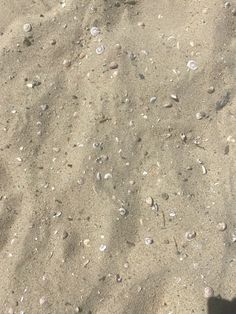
117 156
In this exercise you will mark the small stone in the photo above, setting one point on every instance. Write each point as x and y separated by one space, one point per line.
100 50
53 42
211 90
118 278
42 300
208 292
122 211
113 65
67 63
65 235
200 115
174 97
148 241
44 107
192 65
149 201
82 55
227 5
190 235
103 248
27 42
56 149
27 27
167 105
165 196
221 226
81 181
153 100
233 12
141 24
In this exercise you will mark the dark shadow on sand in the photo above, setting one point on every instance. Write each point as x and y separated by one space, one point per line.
217 305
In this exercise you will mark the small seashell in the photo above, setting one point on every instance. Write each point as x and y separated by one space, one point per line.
94 31
100 50
27 27
200 115
149 201
192 65
204 170
221 226
190 235
113 65
211 90
208 292
148 241
122 211
67 63
107 176
167 105
174 97
42 300
103 248
44 107
153 100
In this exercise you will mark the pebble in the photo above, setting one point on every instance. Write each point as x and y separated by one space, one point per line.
211 90
208 292
141 24
221 226
103 247
190 235
165 196
100 50
122 211
192 65
98 176
200 115
65 235
174 97
153 100
167 105
56 149
44 107
113 65
27 27
233 12
149 201
148 241
67 63
42 300
94 31
53 42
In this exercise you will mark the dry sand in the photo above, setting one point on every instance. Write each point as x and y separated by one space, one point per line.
80 140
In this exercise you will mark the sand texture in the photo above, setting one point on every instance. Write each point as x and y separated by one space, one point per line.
117 156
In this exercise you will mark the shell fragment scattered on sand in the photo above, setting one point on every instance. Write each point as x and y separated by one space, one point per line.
27 27
192 65
100 50
95 31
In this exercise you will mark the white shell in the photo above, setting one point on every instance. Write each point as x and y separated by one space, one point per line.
100 50
27 27
192 65
94 31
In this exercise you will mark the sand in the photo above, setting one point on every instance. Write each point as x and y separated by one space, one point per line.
111 189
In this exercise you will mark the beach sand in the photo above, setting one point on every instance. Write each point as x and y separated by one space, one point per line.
117 160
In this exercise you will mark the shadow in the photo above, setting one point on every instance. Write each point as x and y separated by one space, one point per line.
217 305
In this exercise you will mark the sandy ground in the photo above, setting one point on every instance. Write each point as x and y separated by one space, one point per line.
111 189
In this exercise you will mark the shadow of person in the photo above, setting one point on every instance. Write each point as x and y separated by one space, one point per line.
217 305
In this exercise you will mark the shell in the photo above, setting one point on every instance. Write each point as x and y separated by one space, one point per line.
100 50
95 31
192 65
